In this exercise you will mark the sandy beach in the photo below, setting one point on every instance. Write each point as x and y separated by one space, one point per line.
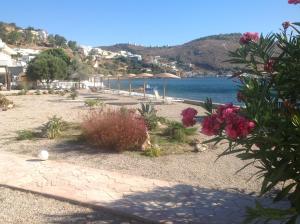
200 169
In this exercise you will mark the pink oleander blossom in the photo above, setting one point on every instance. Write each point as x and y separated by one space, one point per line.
224 111
211 125
248 37
294 1
238 126
188 116
286 25
269 66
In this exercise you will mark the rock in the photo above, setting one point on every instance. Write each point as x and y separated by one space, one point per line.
199 147
9 106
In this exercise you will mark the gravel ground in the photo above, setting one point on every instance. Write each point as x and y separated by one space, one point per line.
22 207
199 169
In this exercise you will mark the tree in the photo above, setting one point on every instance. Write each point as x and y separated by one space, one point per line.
58 52
60 41
78 70
28 36
14 37
51 40
72 45
46 68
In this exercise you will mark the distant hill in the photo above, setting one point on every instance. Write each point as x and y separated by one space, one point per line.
206 54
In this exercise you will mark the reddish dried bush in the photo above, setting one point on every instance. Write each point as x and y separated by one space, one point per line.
118 130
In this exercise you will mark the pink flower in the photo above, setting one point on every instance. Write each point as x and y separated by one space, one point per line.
286 25
188 116
294 1
248 37
211 125
238 126
269 66
224 111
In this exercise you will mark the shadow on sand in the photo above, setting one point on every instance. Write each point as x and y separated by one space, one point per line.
178 204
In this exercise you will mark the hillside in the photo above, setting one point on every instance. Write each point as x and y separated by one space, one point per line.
205 54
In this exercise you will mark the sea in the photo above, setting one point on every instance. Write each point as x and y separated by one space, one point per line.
219 89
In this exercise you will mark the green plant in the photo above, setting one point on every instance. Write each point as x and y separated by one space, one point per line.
73 94
154 151
148 112
53 128
25 135
266 130
177 132
50 91
22 92
38 92
94 103
4 102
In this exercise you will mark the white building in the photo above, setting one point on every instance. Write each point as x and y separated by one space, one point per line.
6 55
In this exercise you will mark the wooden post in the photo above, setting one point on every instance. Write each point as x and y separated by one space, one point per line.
8 79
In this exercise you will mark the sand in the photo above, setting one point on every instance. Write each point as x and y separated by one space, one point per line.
199 169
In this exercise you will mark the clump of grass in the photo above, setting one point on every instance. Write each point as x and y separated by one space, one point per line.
38 92
54 127
73 94
177 132
154 151
50 91
94 103
22 92
26 135
4 102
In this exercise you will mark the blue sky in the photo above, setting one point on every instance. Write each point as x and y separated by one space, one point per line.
147 22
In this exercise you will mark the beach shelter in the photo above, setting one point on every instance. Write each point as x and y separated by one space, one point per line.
130 77
145 76
165 76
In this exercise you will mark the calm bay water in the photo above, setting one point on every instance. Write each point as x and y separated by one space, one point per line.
220 89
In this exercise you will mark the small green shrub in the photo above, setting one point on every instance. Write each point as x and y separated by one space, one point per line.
148 112
177 132
73 94
53 128
22 92
50 91
4 102
25 135
154 151
38 92
94 103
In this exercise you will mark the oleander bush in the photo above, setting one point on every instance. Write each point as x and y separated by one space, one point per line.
266 130
116 130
